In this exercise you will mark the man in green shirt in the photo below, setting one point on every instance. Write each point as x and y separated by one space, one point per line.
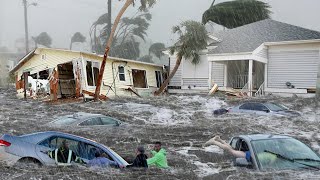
159 158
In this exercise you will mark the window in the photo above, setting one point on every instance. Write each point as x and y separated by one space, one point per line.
260 107
92 69
122 76
91 122
139 78
56 142
158 78
246 106
109 121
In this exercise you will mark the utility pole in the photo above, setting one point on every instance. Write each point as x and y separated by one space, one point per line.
25 4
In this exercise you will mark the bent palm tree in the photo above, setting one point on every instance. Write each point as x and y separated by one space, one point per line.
77 37
192 39
143 7
237 13
157 49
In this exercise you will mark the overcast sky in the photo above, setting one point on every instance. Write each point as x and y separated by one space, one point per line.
62 18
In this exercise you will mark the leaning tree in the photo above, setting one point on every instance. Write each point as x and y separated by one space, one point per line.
232 14
144 5
192 39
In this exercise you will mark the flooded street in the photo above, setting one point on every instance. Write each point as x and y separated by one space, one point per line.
183 123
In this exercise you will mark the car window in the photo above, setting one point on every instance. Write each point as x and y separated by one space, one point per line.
246 106
91 122
275 107
65 121
259 107
234 142
89 151
56 142
108 121
287 147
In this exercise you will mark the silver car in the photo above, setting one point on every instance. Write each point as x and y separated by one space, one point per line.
34 147
275 152
85 119
263 109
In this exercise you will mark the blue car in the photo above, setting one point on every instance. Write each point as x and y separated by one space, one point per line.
275 152
34 147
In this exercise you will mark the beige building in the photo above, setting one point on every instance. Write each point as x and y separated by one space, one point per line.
76 72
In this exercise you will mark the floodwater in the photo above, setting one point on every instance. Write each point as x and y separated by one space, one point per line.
181 123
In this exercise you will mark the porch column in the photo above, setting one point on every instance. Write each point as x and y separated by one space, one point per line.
225 75
250 77
210 74
265 76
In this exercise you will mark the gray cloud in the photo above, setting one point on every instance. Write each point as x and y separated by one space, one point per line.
62 18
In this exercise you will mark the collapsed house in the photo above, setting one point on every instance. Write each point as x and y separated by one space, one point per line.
63 73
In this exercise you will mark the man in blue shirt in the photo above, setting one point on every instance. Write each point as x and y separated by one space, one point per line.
101 161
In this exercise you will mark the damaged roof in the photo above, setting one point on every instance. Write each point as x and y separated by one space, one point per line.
248 37
28 56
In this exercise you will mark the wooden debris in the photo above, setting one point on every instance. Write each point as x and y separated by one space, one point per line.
213 89
101 96
133 91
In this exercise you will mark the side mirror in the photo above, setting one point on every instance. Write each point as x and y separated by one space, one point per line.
242 162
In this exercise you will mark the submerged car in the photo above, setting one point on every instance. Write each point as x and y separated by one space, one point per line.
33 148
275 152
259 109
85 119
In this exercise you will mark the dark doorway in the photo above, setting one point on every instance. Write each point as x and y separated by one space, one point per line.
139 78
67 84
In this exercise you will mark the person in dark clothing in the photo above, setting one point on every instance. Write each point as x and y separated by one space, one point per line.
141 158
63 155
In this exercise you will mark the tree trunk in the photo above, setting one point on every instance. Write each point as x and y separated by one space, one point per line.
318 87
103 64
70 45
166 82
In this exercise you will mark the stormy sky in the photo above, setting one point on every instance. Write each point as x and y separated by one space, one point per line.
62 18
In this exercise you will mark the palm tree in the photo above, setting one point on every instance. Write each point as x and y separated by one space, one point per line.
192 39
143 7
103 19
157 49
77 37
232 14
43 39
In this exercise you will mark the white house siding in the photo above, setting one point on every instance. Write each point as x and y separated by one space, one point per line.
176 79
52 59
299 67
195 76
262 52
217 73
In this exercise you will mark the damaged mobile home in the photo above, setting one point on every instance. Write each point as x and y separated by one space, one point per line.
64 73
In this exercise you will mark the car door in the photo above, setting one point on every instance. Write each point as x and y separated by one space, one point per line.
52 143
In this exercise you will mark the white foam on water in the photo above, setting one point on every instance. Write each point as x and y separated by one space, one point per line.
206 169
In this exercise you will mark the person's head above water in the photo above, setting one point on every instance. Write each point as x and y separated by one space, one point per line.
157 146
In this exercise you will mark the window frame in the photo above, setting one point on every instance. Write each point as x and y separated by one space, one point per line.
121 73
159 78
94 80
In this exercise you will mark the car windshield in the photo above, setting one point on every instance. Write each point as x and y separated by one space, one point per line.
275 107
67 120
289 148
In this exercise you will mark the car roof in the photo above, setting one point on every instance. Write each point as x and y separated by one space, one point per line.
39 136
81 115
263 136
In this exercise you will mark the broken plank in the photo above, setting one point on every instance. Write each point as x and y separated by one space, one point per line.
102 97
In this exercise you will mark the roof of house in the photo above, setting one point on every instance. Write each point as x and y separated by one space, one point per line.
28 56
249 37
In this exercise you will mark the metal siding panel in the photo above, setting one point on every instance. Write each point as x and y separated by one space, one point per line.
195 82
176 79
218 73
297 67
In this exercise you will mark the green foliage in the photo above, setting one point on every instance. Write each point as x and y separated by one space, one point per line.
157 49
78 37
43 39
125 40
192 39
232 14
